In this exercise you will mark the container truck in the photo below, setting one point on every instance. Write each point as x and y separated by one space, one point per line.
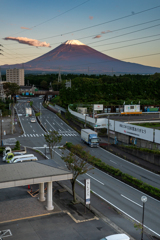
90 137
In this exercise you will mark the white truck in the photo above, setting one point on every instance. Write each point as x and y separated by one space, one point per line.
15 152
90 137
28 111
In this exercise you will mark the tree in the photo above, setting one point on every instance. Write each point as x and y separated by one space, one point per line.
10 88
77 162
44 84
52 140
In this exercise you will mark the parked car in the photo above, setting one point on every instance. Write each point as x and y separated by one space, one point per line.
121 236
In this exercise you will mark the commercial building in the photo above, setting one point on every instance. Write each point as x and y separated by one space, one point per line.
15 76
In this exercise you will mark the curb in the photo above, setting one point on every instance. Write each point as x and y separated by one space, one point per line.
99 214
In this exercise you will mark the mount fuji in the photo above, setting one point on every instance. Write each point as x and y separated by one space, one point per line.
73 56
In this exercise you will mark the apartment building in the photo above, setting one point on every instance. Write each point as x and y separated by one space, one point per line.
15 76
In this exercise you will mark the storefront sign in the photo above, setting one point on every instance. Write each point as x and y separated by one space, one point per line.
134 131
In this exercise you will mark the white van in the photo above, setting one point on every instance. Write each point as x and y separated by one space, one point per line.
25 159
11 157
117 237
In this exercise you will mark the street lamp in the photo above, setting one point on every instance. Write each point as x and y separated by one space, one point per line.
1 127
40 112
144 200
45 148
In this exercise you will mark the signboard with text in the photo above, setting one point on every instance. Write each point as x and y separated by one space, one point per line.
111 124
98 107
87 191
131 108
157 136
134 131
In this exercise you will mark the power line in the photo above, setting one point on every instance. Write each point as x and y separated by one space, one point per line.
81 29
55 16
124 41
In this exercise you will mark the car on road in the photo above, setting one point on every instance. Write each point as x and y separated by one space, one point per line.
121 236
33 119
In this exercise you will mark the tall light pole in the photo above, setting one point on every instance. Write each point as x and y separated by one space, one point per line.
144 200
1 126
40 112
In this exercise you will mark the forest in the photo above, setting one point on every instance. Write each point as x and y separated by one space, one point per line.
112 90
101 89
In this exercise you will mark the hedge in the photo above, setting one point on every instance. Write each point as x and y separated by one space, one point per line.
144 187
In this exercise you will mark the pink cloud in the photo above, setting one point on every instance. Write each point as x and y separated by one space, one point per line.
103 32
98 36
26 28
28 41
90 17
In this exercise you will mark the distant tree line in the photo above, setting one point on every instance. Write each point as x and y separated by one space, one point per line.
113 90
104 89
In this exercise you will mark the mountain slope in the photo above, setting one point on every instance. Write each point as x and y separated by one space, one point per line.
76 57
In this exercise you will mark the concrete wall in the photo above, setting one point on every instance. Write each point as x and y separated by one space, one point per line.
149 157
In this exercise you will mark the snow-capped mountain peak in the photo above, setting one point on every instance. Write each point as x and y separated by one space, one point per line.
73 42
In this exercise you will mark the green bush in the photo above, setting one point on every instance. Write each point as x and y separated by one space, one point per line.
17 146
1 149
117 173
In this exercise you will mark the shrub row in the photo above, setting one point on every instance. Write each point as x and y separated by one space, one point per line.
144 187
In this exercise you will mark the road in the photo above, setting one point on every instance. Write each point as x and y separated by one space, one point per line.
123 197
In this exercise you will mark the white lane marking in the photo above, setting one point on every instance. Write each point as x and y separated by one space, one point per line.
51 125
42 134
28 135
131 200
33 130
37 135
31 126
50 130
119 209
129 162
31 135
112 161
94 179
62 123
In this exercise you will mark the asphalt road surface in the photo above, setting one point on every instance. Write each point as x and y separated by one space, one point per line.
123 197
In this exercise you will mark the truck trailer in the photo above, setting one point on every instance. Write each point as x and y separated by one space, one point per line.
90 137
28 112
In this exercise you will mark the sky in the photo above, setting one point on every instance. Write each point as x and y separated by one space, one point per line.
123 29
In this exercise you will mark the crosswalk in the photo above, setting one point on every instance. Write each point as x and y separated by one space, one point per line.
60 133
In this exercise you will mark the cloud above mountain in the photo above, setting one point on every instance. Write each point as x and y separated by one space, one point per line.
98 36
29 41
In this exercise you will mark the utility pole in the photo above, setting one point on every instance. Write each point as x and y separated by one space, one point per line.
40 112
12 118
1 127
108 130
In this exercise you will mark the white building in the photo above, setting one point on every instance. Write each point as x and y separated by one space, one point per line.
15 76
